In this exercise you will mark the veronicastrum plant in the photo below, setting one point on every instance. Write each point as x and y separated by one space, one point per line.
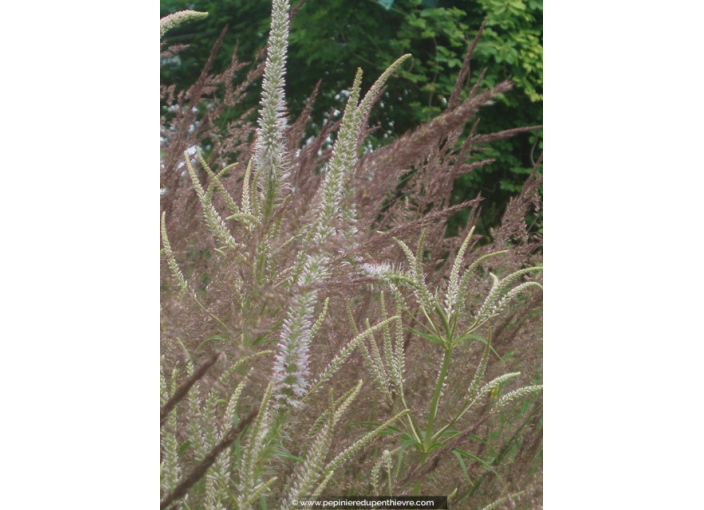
441 322
281 248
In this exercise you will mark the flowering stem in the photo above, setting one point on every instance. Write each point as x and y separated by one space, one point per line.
436 399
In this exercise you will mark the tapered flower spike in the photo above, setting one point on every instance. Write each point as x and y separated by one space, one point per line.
501 304
490 298
496 504
386 456
246 203
195 430
210 494
506 282
375 367
223 380
498 288
495 383
234 400
453 287
270 147
399 355
420 288
516 394
309 471
347 215
472 391
379 364
350 317
321 318
291 370
385 461
174 380
452 495
249 479
376 470
464 283
170 466
347 400
221 476
216 184
163 388
173 20
215 223
481 370
343 158
345 352
341 406
388 348
173 266
366 104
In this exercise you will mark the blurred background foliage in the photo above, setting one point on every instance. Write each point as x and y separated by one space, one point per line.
330 39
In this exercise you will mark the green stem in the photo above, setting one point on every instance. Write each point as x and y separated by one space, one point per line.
450 331
229 331
436 398
412 426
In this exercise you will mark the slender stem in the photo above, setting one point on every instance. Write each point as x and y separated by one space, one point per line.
432 325
412 427
436 397
269 201
212 315
448 330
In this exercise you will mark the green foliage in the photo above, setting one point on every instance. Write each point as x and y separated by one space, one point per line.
514 37
444 324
